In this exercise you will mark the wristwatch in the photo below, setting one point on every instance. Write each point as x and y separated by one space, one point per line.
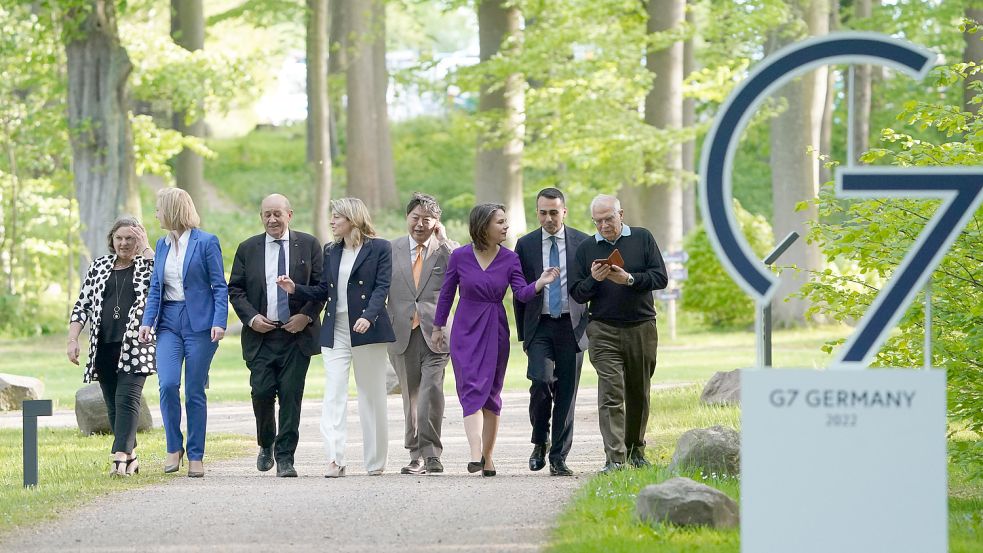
631 279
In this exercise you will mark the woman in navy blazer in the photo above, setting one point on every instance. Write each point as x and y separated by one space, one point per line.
188 305
355 329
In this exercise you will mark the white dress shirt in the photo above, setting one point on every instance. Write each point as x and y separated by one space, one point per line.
561 245
344 273
174 267
272 261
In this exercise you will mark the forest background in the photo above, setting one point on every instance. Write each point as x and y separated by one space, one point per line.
104 102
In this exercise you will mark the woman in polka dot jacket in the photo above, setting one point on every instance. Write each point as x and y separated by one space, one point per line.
112 301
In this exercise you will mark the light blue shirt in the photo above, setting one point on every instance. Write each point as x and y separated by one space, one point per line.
625 231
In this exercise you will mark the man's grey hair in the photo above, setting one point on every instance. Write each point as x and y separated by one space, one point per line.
605 198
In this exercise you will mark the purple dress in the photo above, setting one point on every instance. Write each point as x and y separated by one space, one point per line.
479 340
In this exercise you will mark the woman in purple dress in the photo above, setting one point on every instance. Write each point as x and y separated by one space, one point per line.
479 340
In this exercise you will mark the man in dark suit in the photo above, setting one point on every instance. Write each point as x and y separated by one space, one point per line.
551 328
279 333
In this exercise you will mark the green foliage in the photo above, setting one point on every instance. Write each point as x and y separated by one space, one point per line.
709 290
172 79
37 233
873 236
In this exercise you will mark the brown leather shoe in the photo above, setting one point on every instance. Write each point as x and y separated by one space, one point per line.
416 466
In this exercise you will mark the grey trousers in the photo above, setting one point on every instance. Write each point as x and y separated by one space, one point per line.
624 358
421 378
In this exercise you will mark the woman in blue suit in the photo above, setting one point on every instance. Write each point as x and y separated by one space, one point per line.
188 305
355 330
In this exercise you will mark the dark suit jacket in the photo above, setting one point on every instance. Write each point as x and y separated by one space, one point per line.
205 293
530 251
368 288
247 288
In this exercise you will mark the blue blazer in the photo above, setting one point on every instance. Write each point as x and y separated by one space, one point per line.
205 291
368 289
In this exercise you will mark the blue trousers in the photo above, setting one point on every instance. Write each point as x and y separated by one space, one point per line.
177 344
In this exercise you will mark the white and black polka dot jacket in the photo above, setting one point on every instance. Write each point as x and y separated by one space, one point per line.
135 358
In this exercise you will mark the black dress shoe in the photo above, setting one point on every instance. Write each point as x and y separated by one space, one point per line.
285 469
611 467
560 468
639 461
538 458
475 466
264 461
434 465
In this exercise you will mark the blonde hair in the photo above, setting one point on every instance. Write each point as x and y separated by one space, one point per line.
355 211
177 210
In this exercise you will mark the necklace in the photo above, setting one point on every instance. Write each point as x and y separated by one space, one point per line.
116 282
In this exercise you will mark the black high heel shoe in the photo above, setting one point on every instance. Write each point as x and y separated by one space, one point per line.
487 472
136 469
116 471
476 466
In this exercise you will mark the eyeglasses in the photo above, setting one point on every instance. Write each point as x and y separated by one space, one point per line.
609 220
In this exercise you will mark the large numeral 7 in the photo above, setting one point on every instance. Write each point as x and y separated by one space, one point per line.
961 191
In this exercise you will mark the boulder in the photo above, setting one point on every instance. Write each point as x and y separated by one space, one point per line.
684 502
14 389
93 417
723 388
392 381
715 450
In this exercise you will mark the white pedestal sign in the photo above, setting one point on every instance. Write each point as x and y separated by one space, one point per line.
843 461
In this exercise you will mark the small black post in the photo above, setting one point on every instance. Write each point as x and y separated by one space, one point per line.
766 310
32 409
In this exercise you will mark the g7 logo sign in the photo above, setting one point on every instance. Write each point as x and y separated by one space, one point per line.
961 190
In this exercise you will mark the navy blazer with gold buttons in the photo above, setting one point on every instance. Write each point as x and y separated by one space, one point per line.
368 289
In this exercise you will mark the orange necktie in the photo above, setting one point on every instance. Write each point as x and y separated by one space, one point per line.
417 270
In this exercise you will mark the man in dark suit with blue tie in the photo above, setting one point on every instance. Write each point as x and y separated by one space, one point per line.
279 333
551 327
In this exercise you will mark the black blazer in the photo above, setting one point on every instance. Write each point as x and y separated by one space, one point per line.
530 251
368 288
247 288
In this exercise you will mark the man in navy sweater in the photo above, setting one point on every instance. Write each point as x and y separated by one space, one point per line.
622 330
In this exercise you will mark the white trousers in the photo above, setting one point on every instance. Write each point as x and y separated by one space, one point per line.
370 381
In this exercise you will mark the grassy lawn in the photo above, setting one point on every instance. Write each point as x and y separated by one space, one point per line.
693 357
602 515
74 468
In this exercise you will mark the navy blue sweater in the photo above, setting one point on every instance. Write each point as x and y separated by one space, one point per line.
619 304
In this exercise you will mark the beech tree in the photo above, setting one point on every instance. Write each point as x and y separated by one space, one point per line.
188 31
99 124
501 106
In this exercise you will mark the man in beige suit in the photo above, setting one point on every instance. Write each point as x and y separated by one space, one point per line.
419 262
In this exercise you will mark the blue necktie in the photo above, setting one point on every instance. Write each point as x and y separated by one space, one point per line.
556 302
282 307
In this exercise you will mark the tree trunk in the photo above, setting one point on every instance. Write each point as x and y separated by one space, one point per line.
99 127
659 208
829 104
188 32
337 63
861 92
368 156
974 53
795 173
387 172
498 164
689 119
318 140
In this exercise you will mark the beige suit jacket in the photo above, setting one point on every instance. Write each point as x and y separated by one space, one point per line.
405 299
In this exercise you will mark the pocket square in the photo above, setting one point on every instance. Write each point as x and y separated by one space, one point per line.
438 270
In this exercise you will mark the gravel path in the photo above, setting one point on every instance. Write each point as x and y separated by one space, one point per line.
237 508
